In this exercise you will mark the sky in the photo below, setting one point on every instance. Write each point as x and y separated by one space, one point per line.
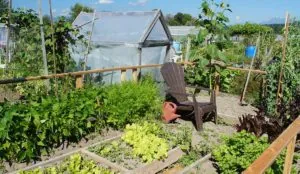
257 11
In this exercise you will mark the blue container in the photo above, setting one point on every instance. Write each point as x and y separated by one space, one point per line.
177 46
250 51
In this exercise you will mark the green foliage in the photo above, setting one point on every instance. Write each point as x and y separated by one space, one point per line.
32 128
200 74
249 29
145 142
194 154
74 164
213 18
130 102
27 53
291 74
240 150
210 59
180 19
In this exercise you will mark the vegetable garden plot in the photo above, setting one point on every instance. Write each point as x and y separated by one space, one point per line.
143 148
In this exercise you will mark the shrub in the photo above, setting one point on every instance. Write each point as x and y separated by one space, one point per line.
240 150
31 128
130 102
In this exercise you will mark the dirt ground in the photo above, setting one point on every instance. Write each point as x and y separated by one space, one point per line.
229 105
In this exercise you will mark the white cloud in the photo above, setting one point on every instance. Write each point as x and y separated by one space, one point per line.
138 2
65 12
105 1
237 18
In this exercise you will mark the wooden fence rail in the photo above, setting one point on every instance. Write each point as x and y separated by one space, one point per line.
286 139
79 74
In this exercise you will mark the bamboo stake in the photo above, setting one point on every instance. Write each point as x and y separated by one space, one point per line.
53 44
8 33
286 32
43 44
249 73
89 42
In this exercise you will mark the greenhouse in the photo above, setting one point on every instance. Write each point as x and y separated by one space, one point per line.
123 39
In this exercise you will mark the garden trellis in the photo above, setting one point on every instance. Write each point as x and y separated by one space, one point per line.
123 39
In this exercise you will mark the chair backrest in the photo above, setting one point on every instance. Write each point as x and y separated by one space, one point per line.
173 75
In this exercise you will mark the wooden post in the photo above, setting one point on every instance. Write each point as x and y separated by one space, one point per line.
123 75
135 74
187 54
8 33
279 89
47 83
217 83
249 73
79 81
289 156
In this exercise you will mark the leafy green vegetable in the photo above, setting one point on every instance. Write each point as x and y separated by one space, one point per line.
74 164
130 102
145 142
240 150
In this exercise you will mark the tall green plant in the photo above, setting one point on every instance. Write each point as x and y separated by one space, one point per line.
209 60
291 74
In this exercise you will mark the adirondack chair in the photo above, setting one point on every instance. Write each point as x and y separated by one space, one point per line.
173 75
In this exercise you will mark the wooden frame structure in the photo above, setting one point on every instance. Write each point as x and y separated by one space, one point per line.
79 74
153 167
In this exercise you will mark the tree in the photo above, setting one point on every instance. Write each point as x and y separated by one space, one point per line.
181 19
77 8
3 7
249 29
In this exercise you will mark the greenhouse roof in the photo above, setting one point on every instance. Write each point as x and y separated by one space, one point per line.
183 30
143 28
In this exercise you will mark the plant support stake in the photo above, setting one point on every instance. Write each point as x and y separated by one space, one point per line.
8 33
249 73
43 44
89 42
286 32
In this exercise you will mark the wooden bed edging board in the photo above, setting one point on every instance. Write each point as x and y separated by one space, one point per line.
104 161
200 161
156 166
63 156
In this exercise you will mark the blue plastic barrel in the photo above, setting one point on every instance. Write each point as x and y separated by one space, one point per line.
250 51
177 46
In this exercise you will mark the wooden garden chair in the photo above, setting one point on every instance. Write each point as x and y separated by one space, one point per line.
173 75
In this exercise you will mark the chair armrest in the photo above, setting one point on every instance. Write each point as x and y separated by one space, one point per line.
200 88
212 92
179 93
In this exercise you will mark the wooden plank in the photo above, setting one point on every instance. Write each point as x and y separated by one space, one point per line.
289 156
32 78
104 161
24 79
48 162
123 75
196 163
157 165
242 69
271 153
79 81
135 74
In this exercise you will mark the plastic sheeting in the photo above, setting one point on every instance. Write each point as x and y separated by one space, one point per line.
116 40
